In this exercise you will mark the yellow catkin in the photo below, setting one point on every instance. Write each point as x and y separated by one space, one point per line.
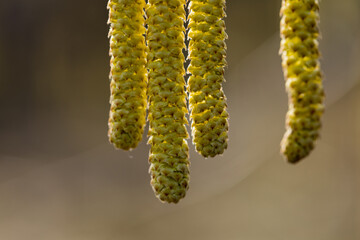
300 62
207 54
169 164
128 73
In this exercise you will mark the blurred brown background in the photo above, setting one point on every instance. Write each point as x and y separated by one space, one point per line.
61 179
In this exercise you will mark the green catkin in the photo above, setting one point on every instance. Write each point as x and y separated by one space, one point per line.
207 54
128 73
300 62
169 164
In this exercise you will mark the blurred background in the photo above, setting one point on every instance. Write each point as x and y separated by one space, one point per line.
61 179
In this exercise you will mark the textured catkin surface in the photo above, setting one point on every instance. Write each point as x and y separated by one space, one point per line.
128 73
300 62
209 118
169 164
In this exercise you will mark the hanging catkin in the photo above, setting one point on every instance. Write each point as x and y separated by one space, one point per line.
169 167
207 54
128 73
300 62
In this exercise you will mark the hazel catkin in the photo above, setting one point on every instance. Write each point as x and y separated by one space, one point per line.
207 50
128 73
301 67
169 164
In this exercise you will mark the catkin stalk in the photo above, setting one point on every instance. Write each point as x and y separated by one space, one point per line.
207 54
301 67
128 73
169 164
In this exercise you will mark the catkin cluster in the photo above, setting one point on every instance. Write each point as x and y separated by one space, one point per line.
300 62
207 54
169 164
153 71
128 73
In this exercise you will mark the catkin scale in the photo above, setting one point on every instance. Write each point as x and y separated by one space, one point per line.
207 50
301 67
128 73
169 164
